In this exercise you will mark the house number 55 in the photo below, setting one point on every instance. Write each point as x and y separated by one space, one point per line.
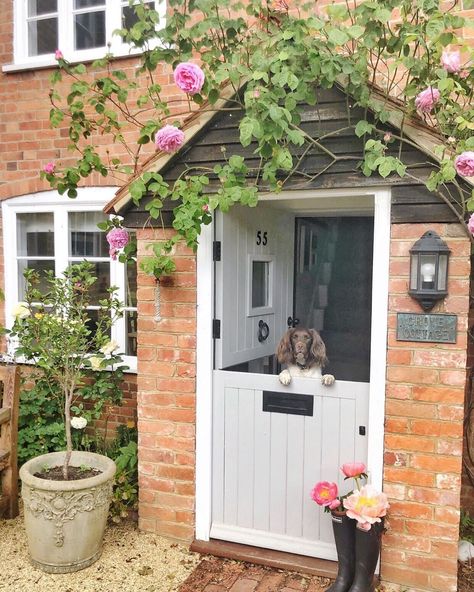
262 237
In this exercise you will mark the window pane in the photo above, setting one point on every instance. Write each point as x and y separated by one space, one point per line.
131 284
98 291
37 7
35 235
40 266
85 239
88 3
89 30
129 18
260 281
131 328
42 36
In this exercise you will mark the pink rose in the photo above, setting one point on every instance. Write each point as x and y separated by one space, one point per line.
205 208
427 99
117 238
189 77
58 55
470 224
367 506
464 164
387 137
451 61
464 74
353 469
169 138
49 168
324 493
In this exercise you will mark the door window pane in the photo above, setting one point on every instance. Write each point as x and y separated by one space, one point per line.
42 36
38 7
89 30
85 239
260 283
35 235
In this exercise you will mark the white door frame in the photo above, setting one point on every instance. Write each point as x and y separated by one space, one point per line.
328 202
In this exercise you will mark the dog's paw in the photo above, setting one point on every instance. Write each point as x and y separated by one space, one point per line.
285 377
328 379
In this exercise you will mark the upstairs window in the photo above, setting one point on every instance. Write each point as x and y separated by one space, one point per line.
81 29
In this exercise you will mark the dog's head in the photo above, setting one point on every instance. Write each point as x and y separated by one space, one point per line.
303 347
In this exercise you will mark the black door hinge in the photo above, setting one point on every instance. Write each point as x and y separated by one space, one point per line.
216 329
216 250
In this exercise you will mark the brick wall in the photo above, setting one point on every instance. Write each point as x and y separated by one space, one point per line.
424 426
166 394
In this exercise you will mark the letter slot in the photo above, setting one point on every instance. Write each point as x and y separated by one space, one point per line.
275 402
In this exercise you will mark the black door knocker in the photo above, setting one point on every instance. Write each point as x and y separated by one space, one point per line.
263 331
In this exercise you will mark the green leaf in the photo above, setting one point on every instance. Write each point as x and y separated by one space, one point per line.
363 127
338 37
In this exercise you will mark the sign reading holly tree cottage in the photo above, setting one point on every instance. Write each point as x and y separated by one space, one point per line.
436 328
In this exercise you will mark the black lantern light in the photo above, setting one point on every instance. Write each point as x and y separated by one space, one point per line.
429 270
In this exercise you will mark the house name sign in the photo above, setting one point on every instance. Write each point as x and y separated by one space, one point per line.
435 328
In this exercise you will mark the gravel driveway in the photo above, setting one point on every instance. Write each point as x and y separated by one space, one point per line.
131 561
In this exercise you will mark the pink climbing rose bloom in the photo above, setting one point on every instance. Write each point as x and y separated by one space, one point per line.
118 239
189 77
49 168
355 469
169 138
470 224
464 164
325 493
451 61
58 55
427 99
367 506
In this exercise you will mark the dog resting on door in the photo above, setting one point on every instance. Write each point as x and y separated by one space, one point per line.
304 353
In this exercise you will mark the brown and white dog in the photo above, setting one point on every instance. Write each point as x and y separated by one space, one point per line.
304 353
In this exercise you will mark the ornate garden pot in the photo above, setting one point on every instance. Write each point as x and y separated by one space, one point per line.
65 520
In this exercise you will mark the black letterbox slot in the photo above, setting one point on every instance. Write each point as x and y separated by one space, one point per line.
276 402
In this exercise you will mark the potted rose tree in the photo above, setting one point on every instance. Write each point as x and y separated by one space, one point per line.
357 521
66 494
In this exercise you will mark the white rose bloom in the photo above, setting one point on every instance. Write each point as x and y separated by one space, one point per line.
78 423
95 362
109 348
21 310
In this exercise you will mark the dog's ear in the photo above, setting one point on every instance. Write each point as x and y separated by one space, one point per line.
284 350
318 349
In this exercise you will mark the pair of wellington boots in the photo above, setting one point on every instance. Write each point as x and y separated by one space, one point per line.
357 554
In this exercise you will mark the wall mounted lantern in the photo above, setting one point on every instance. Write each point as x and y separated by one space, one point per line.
429 270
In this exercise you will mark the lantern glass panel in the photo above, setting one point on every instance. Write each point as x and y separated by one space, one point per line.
428 263
443 273
414 272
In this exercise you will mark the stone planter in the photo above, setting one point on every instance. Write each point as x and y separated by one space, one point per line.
65 520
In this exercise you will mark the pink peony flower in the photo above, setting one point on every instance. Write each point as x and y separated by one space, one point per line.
335 504
117 238
367 506
470 224
464 164
58 55
324 493
427 99
189 77
49 168
169 138
451 61
353 469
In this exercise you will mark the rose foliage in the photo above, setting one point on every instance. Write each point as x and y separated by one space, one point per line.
391 56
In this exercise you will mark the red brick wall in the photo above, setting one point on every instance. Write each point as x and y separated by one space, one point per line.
166 394
424 426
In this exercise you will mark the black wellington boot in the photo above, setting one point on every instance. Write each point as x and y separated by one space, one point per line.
367 550
344 535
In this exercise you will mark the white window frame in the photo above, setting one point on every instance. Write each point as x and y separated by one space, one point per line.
114 43
89 199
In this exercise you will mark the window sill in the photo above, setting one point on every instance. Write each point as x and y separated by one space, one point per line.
51 62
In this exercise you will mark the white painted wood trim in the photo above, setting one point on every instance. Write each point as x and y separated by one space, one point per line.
204 368
204 363
279 542
378 342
